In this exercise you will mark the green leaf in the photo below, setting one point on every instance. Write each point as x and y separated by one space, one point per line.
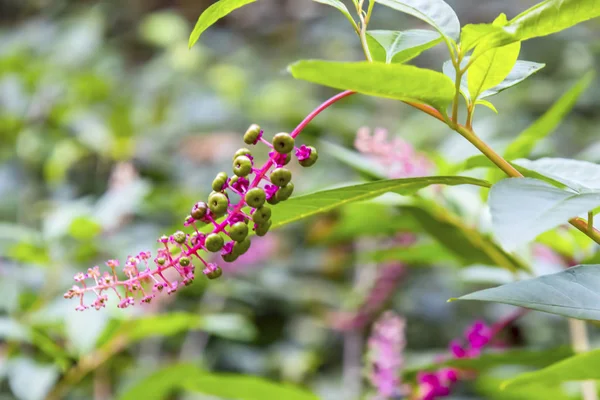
472 34
467 243
523 208
431 253
579 367
521 71
162 383
486 104
301 207
436 13
581 176
394 81
489 360
366 166
243 387
214 13
84 228
573 293
402 46
548 122
489 388
340 6
491 68
543 19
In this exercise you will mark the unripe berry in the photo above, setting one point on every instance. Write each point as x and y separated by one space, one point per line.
217 202
262 229
252 134
242 152
238 231
214 274
241 247
273 200
283 143
230 257
214 242
285 192
312 159
184 261
219 181
280 176
179 237
242 166
199 210
161 261
255 197
261 214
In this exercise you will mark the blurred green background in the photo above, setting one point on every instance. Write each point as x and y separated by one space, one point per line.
110 129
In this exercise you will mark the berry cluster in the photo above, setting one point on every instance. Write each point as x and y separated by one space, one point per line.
228 221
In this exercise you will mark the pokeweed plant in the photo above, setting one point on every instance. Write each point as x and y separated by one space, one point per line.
483 61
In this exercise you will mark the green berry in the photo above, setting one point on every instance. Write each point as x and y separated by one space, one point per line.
161 261
179 237
214 242
217 202
238 231
273 200
251 135
184 261
242 166
215 274
283 143
262 214
312 159
242 152
199 210
231 257
262 229
255 197
284 192
241 247
280 177
219 181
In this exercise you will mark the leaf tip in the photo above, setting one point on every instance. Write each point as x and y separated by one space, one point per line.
452 299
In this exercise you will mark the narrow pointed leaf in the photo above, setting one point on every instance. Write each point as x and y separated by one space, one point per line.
579 367
573 293
394 81
491 68
402 46
548 122
521 71
340 6
523 208
436 13
214 13
487 104
297 208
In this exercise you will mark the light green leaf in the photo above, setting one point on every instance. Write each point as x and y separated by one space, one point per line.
214 13
162 383
580 367
543 19
472 34
489 388
301 207
340 6
436 13
394 81
523 208
245 387
581 176
402 46
431 253
467 243
521 71
491 68
487 104
544 125
573 293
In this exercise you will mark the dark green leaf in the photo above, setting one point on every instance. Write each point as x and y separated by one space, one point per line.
573 293
162 383
436 13
301 207
402 46
579 367
548 122
214 13
394 81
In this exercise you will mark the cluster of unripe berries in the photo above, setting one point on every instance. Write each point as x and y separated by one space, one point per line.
229 222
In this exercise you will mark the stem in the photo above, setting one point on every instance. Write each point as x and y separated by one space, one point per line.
581 344
590 222
362 32
457 80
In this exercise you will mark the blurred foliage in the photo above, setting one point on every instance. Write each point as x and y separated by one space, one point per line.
110 129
